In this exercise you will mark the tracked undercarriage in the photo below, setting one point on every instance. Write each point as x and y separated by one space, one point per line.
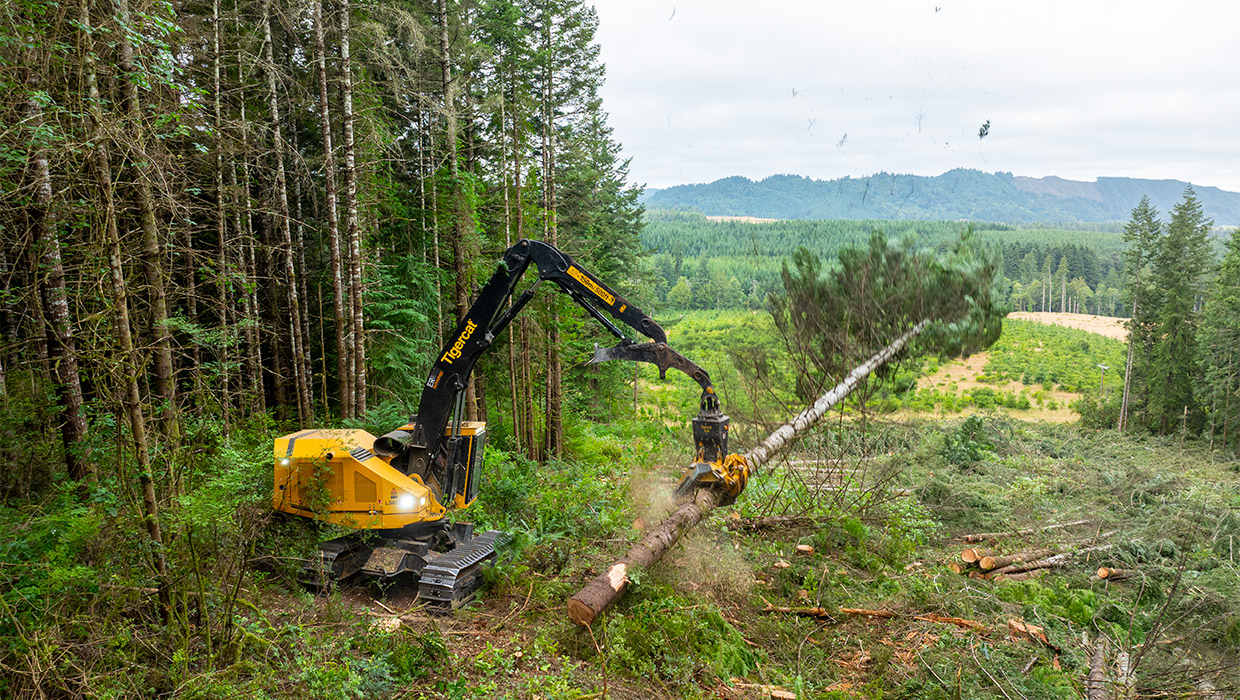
447 563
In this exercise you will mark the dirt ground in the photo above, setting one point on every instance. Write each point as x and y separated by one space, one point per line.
1109 326
742 219
963 374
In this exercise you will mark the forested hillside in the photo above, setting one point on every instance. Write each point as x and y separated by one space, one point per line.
700 263
957 194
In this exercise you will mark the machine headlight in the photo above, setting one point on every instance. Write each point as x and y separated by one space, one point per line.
284 462
405 502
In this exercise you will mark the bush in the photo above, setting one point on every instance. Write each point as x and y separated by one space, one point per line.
967 444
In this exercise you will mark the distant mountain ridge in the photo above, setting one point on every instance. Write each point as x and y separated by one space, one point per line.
957 194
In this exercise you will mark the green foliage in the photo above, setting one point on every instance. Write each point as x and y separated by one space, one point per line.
661 635
835 318
967 444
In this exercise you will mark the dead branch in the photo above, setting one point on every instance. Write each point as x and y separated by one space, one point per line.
990 536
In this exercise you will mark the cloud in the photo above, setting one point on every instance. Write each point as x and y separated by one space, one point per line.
1075 89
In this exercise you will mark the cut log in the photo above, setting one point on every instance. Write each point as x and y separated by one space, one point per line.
609 585
1110 574
989 563
1125 676
1048 562
1095 683
956 567
1018 576
990 536
973 555
805 549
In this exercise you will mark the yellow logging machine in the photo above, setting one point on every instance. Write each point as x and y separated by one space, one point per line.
396 490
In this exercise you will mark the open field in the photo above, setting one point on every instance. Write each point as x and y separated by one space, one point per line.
1033 372
1109 326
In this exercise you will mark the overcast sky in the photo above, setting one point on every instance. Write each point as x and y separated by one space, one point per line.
703 89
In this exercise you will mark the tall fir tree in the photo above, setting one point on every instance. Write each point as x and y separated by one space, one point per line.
1219 388
1179 274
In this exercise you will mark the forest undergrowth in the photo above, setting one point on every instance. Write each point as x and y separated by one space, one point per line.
880 512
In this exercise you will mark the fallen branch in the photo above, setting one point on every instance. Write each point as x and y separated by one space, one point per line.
819 613
989 536
771 522
822 614
609 585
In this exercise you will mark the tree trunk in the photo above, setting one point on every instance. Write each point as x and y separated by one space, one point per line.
512 348
462 217
342 313
1123 408
351 218
254 335
282 223
61 346
305 361
152 248
221 225
605 589
1095 683
555 392
120 301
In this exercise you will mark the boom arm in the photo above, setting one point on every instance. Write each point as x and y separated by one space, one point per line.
423 449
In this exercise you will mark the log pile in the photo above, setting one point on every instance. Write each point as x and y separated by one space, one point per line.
1015 564
609 585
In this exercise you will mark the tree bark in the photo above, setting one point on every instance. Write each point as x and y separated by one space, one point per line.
221 225
54 296
1123 408
342 313
1095 683
351 218
152 247
282 223
606 588
120 300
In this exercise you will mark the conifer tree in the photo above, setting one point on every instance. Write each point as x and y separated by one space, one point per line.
1179 273
1219 390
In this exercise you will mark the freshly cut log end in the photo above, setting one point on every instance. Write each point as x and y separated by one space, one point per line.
973 555
608 586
